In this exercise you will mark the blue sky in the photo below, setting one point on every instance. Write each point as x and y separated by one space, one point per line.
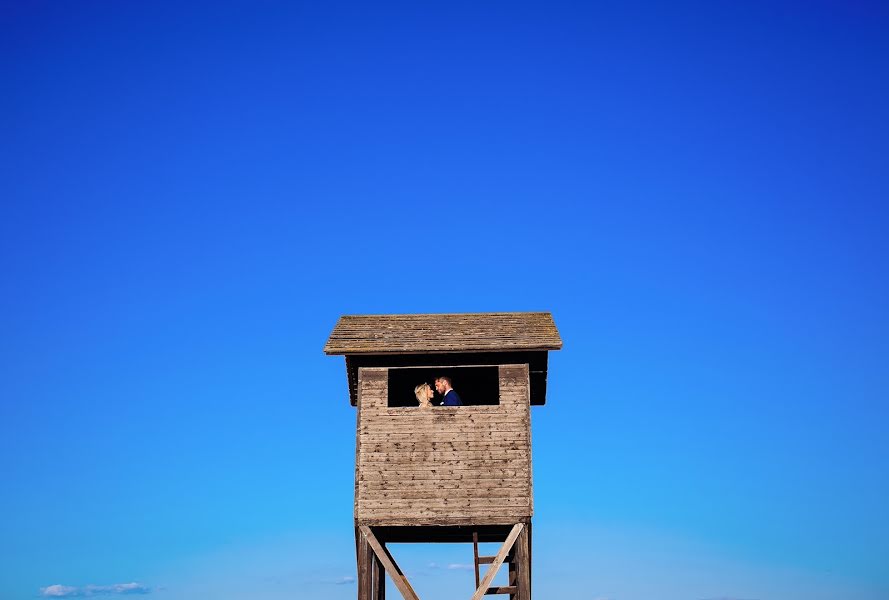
192 193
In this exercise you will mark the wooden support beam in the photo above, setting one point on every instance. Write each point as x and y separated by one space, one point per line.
475 558
523 565
379 577
505 589
389 564
513 573
363 553
482 589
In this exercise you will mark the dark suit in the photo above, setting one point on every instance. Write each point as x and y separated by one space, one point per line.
451 399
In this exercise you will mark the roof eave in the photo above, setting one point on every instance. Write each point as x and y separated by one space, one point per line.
375 352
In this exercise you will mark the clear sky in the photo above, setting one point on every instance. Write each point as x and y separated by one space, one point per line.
192 193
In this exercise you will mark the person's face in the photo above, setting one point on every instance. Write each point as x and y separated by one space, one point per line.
429 393
439 386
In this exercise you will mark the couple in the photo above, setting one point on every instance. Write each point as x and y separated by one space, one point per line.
442 386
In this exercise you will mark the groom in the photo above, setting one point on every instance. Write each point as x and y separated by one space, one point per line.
449 396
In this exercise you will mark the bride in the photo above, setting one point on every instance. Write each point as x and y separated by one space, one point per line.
424 395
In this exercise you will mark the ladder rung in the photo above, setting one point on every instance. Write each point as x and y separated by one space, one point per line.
486 560
505 589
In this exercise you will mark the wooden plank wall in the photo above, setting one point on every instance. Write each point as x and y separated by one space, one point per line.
445 465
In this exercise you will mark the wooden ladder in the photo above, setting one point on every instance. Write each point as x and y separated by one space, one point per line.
486 560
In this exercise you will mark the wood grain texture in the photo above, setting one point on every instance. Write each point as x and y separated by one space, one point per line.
500 518
522 561
454 475
389 564
364 574
476 332
463 465
498 560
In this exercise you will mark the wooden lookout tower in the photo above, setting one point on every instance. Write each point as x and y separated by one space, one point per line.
444 473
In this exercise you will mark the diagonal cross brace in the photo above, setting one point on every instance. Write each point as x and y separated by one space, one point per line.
392 569
498 560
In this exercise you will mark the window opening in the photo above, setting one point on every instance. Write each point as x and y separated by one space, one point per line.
476 386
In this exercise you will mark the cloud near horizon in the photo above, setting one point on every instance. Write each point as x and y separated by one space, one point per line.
344 580
452 566
68 591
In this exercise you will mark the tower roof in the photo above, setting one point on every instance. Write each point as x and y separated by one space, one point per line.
442 333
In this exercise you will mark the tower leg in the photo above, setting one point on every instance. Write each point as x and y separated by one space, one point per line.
371 574
513 574
522 551
365 573
378 559
379 578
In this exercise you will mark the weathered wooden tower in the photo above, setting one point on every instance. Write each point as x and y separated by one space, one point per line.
444 473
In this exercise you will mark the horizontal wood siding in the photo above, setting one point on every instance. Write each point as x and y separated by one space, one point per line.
444 465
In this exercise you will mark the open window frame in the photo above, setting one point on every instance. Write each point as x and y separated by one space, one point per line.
476 385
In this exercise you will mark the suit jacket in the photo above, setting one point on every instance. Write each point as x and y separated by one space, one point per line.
451 399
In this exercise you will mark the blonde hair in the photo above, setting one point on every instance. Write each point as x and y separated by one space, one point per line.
420 393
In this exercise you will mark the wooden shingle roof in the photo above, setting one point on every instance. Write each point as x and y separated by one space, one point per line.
473 332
